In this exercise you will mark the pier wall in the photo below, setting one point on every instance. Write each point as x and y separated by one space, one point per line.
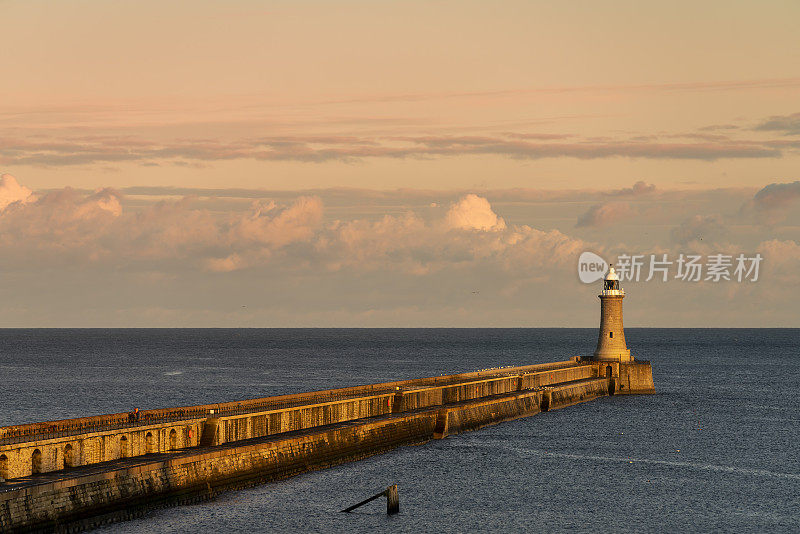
632 378
46 447
30 431
89 497
260 424
411 399
636 378
63 452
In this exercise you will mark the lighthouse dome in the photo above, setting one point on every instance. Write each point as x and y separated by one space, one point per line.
612 274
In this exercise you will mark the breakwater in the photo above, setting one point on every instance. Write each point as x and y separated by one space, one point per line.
81 472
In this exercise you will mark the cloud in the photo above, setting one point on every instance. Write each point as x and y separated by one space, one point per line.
11 191
269 225
318 149
296 260
585 149
640 188
771 204
538 136
408 245
727 85
718 127
469 236
63 226
403 197
781 260
776 195
780 272
474 213
706 228
77 227
233 262
605 214
786 124
103 199
73 228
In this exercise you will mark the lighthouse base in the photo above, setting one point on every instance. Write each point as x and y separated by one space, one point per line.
633 377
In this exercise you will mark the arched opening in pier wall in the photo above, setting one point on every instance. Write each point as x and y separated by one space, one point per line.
173 440
149 446
609 372
123 447
69 458
3 466
36 462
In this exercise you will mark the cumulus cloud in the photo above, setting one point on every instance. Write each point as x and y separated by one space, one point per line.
69 226
772 202
777 195
271 225
77 228
409 245
474 213
232 262
605 214
470 235
63 226
104 199
782 260
706 228
11 191
295 254
396 243
780 273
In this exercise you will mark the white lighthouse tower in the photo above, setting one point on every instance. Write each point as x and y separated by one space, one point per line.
611 345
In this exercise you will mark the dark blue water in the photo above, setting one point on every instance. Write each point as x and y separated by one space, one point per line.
715 450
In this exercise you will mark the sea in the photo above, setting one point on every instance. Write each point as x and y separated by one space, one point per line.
715 450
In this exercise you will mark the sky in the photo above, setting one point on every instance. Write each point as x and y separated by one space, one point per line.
392 164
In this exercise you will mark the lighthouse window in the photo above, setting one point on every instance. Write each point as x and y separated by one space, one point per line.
611 334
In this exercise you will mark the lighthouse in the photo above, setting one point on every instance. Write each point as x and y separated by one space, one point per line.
611 345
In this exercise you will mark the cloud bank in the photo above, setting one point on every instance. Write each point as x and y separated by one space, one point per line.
75 228
319 149
421 258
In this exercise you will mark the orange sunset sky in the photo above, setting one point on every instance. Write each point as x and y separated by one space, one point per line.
354 163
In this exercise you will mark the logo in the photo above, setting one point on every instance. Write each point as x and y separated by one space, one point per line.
685 267
591 267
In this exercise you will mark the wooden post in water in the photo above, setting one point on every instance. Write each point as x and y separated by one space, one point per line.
392 500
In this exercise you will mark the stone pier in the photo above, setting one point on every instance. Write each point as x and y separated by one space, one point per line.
80 473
